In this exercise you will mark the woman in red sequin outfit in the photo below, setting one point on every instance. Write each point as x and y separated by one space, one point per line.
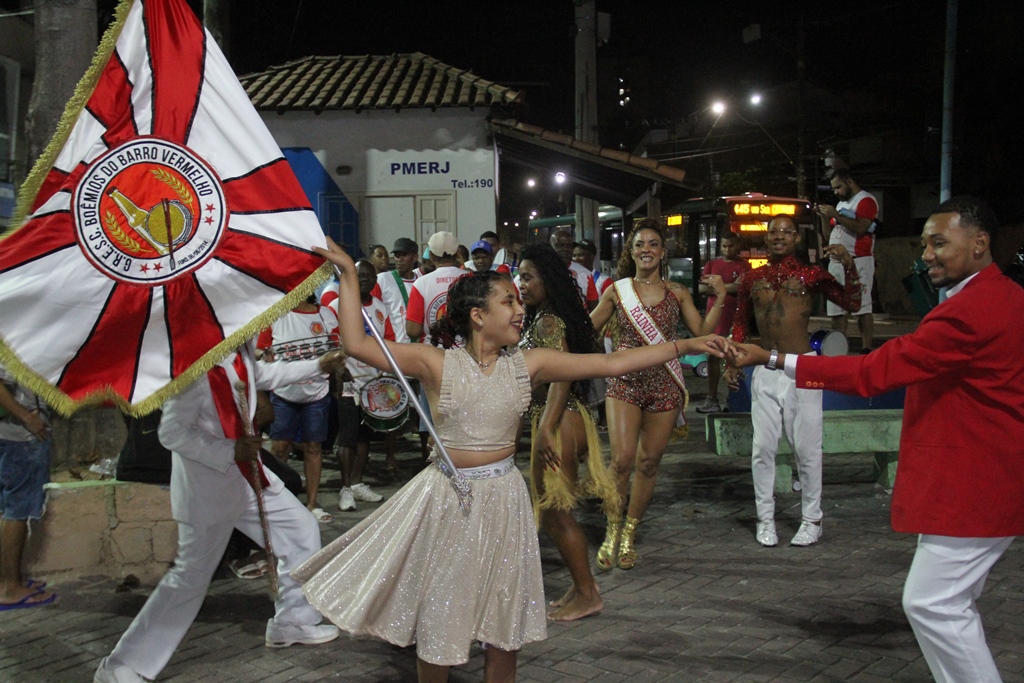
643 407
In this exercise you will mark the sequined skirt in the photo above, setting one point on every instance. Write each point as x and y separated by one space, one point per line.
418 570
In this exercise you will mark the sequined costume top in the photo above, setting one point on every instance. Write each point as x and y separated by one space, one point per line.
533 338
793 278
478 412
653 389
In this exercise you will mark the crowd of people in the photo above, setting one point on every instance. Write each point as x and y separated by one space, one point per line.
485 336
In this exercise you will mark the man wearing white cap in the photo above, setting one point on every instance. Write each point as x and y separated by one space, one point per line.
430 292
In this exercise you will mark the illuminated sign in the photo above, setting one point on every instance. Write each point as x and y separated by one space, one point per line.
757 262
753 227
677 219
762 209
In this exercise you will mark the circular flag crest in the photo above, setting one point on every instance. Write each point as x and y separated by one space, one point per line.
148 211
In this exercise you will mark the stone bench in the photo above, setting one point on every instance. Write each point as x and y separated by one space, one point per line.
843 431
106 527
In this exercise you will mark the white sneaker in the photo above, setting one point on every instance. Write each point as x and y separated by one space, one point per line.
766 535
364 494
121 674
283 636
710 405
346 501
807 534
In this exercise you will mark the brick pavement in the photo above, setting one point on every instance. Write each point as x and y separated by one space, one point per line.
705 603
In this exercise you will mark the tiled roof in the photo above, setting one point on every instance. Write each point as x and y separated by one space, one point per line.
371 82
555 140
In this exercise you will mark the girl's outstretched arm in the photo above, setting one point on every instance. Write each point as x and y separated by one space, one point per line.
418 360
546 365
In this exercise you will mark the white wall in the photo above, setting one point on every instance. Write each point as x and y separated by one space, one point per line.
398 154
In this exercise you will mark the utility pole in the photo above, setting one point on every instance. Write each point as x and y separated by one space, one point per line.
801 143
215 18
946 167
586 105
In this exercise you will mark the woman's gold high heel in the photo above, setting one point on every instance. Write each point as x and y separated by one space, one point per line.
627 552
606 556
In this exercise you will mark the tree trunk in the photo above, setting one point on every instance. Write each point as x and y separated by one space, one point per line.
66 38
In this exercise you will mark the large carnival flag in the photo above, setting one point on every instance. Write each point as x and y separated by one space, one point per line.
161 228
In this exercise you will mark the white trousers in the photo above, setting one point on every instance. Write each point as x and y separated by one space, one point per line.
945 580
865 266
154 635
777 404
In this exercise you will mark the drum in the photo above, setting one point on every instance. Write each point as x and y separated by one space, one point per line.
829 343
385 404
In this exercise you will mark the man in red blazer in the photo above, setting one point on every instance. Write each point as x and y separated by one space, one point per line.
960 479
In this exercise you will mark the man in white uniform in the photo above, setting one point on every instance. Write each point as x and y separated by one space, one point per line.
210 496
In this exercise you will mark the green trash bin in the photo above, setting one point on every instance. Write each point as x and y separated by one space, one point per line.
923 295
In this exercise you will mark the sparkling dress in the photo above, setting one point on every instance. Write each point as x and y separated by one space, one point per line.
418 570
652 389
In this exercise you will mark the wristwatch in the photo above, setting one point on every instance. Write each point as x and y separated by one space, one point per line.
773 360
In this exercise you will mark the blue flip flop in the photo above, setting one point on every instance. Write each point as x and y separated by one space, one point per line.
32 583
27 602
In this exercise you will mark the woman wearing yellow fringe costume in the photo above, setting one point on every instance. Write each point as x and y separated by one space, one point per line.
563 433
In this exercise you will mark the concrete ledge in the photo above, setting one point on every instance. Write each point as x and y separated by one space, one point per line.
843 431
107 527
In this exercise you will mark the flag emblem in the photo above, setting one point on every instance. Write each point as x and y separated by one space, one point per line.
148 211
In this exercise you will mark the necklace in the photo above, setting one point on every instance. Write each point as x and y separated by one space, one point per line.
646 282
483 366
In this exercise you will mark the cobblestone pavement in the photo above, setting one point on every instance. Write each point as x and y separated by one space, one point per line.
705 602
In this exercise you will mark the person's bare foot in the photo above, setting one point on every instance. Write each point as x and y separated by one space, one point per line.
566 597
569 595
577 607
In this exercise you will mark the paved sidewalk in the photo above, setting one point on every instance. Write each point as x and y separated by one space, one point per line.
705 602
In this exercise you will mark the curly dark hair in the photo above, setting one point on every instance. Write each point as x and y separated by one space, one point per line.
626 267
565 300
470 291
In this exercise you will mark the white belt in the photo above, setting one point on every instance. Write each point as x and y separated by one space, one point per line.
494 469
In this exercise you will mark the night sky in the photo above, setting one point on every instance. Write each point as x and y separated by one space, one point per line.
695 52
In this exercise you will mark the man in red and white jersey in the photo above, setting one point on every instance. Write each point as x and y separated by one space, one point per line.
395 286
562 242
428 301
301 409
429 295
853 220
584 253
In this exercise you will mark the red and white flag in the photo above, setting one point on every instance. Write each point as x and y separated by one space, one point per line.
162 227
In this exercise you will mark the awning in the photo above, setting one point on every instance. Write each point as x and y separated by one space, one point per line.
606 175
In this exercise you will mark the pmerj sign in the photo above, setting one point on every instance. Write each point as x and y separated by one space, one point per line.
433 170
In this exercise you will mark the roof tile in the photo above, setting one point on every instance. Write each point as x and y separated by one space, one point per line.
371 82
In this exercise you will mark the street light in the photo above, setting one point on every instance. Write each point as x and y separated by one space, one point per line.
560 178
755 99
531 182
718 108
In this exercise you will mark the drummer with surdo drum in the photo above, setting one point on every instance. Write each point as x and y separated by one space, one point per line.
781 295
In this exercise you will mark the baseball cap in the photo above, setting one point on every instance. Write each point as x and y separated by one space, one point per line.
443 244
486 246
404 245
586 244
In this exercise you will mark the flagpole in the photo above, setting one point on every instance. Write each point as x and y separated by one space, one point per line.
447 467
257 485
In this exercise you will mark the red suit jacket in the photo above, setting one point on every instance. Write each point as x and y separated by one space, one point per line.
961 459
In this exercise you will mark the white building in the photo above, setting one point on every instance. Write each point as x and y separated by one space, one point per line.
387 146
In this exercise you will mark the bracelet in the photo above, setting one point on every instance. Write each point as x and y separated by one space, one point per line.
675 346
719 305
773 360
